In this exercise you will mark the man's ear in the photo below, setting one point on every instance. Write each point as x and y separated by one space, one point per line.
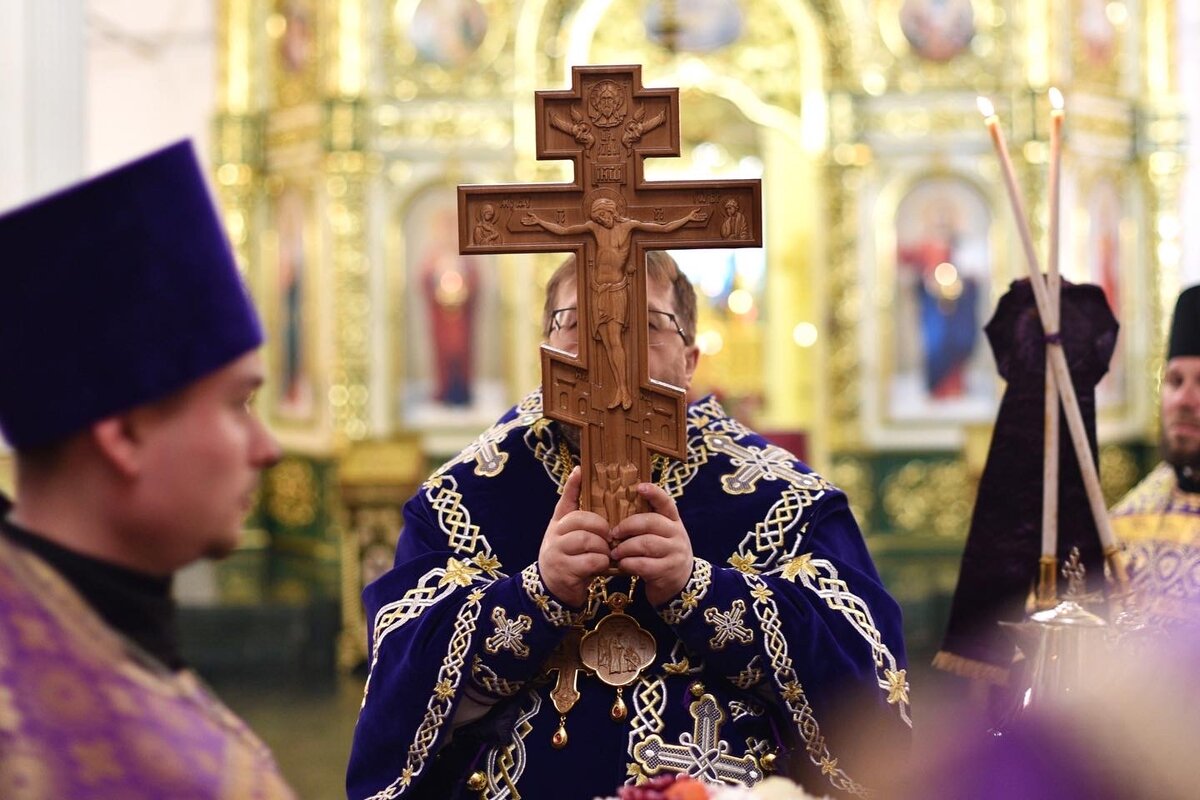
691 356
117 441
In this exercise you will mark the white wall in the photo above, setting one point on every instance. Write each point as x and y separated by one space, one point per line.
151 71
41 97
87 84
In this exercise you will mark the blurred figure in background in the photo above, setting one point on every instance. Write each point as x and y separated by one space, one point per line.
128 363
1159 520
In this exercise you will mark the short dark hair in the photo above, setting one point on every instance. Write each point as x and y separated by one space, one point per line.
660 267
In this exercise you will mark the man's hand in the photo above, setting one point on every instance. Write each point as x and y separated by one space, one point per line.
655 546
575 546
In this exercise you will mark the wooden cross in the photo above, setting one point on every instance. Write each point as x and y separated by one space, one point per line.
609 216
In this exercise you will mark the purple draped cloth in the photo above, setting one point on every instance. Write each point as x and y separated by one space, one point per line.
1000 563
83 714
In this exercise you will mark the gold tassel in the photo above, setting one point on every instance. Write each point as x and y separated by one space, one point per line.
970 668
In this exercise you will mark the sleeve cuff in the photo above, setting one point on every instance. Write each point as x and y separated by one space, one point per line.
683 604
557 614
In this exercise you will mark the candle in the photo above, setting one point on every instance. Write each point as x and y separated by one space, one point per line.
1054 353
1010 181
1050 466
1056 123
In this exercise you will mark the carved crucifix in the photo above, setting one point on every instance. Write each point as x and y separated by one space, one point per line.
609 216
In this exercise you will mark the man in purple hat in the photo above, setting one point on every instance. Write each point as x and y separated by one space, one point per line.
128 362
1159 520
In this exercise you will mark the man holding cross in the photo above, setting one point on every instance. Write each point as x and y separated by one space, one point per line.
748 571
594 592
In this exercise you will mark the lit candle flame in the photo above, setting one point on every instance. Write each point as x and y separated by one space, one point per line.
1056 99
985 106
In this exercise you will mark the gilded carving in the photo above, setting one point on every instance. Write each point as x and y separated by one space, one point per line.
1118 472
930 497
291 492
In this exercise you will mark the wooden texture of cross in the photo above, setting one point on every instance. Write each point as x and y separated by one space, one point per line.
609 216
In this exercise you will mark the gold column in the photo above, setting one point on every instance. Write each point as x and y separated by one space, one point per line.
843 179
237 140
347 178
1159 46
1162 136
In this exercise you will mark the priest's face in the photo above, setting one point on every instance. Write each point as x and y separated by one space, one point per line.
671 360
202 452
1181 411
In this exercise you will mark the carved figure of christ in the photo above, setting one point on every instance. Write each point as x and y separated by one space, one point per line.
609 276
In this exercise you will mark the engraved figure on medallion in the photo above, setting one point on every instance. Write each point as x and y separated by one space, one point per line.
617 649
609 276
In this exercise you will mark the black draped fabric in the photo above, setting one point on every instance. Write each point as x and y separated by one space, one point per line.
1000 563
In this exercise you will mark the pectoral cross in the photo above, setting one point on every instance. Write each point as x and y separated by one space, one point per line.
565 661
609 216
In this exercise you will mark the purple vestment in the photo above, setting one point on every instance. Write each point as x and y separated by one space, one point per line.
84 714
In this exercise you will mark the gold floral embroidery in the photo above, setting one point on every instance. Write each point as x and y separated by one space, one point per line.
693 592
897 685
460 572
554 612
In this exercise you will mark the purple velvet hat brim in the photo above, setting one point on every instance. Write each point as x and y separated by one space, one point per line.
114 293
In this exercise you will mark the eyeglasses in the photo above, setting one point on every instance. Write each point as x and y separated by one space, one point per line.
662 326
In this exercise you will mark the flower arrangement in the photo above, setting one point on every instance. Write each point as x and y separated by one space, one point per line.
683 787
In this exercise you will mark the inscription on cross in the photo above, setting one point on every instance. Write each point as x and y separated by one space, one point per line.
609 216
